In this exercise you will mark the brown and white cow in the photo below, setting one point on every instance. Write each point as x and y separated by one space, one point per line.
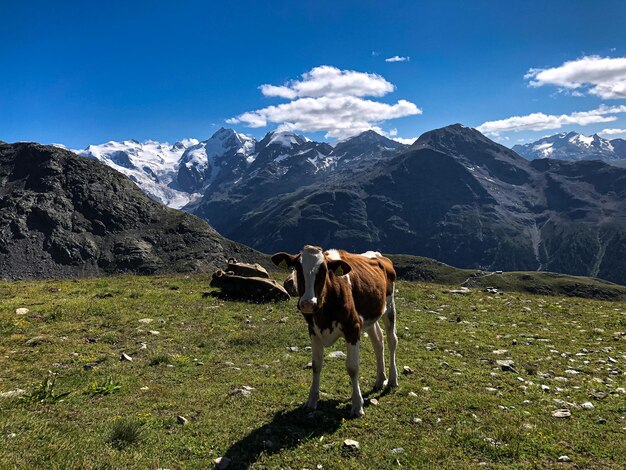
345 294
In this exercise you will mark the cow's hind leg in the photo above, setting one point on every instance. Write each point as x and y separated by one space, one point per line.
389 319
317 360
352 366
376 337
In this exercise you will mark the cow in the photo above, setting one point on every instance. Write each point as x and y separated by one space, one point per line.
290 285
257 289
246 269
345 294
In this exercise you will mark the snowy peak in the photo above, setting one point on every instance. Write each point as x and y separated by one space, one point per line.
284 139
572 147
151 165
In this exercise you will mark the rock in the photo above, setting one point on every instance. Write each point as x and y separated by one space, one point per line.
351 444
35 340
430 346
90 365
564 458
146 321
155 332
418 420
612 360
18 392
461 291
373 402
406 370
397 450
182 420
506 365
514 342
587 406
562 413
309 366
21 311
143 346
294 348
337 355
601 421
545 388
244 391
412 394
500 351
125 357
572 372
222 463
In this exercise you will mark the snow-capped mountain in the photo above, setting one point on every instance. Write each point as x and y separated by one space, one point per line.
152 165
573 146
201 164
228 162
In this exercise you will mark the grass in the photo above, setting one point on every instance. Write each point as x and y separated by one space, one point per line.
457 410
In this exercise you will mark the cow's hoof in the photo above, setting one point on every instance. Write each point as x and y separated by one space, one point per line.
356 412
379 385
392 383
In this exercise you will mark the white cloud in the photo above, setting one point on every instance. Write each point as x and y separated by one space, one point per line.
330 81
397 58
407 141
611 132
331 100
541 121
600 76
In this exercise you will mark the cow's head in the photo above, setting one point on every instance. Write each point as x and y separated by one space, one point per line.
313 270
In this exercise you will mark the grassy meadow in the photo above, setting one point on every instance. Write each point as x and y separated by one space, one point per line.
211 378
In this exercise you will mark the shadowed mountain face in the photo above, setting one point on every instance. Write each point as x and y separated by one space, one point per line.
64 215
455 196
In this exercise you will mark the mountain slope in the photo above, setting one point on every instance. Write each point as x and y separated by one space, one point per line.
574 147
455 196
65 215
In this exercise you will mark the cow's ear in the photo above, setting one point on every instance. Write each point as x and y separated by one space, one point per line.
284 260
339 267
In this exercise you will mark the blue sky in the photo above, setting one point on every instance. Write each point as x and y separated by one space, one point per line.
81 72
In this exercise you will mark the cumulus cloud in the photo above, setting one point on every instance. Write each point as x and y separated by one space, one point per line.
405 141
612 132
397 58
600 76
329 99
541 121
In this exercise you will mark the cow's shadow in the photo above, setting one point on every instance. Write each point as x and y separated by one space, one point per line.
286 430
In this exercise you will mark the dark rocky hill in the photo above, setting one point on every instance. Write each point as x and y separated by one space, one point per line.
65 215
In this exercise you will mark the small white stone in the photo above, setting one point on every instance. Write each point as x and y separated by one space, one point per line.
351 444
587 405
21 311
564 458
337 355
221 463
125 357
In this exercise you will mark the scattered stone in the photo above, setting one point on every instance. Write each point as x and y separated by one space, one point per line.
35 340
244 391
599 395
351 444
125 357
337 355
182 420
587 405
90 365
601 421
309 365
545 388
562 413
418 420
146 321
412 394
461 291
21 311
406 370
11 435
564 458
221 463
229 364
514 342
373 402
294 348
430 346
572 372
155 332
143 346
500 351
612 360
506 365
397 450
491 389
18 392
283 320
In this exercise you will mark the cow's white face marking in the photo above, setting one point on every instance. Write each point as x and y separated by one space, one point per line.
311 260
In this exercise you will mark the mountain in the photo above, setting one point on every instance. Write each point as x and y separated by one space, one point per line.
574 147
151 165
66 215
455 196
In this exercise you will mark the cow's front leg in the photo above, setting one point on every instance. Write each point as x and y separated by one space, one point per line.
317 360
352 366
